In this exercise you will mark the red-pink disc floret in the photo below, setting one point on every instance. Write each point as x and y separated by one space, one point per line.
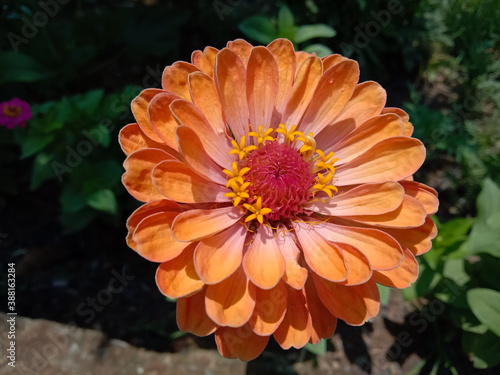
281 177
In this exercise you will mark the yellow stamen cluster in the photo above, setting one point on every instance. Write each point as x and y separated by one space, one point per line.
257 211
235 174
324 184
289 135
239 191
309 146
241 149
325 162
262 136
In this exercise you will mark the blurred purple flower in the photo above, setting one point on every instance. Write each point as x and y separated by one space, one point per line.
14 112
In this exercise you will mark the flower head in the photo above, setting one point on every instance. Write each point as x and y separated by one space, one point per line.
278 192
14 112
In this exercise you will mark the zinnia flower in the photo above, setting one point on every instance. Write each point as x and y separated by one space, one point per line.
14 112
278 192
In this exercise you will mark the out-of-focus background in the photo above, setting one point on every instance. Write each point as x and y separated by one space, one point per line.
87 304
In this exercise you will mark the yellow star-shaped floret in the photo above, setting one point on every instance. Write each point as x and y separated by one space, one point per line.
325 162
289 135
324 184
235 174
257 211
239 191
241 149
261 136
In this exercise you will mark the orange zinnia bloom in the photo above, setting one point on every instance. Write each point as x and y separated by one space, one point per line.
278 191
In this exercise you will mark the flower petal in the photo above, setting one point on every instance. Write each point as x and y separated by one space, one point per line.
367 199
308 76
401 277
296 328
140 110
284 54
264 250
323 322
331 95
358 267
230 77
154 239
418 240
199 60
180 183
322 257
295 275
148 209
410 214
194 154
206 98
354 304
331 60
240 343
242 49
408 127
175 78
421 193
383 251
367 135
192 317
383 162
232 301
197 224
262 86
177 277
211 54
270 308
138 168
132 138
162 119
217 257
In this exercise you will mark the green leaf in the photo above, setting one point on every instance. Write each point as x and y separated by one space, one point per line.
485 304
454 269
318 349
89 102
260 28
34 144
482 348
72 199
75 221
286 23
318 30
103 200
385 293
18 67
42 170
319 49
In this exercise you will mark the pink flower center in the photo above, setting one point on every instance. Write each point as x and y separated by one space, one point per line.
12 110
281 177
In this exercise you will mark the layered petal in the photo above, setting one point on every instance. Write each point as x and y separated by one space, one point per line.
192 317
423 194
323 322
140 110
418 240
132 138
270 309
295 275
240 343
401 277
175 78
162 119
359 270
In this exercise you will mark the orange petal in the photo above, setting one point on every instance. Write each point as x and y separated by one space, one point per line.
331 60
177 277
240 343
219 256
180 183
300 57
295 275
192 317
308 76
417 240
367 199
154 238
408 127
410 214
358 267
140 110
215 145
284 54
197 224
262 86
421 193
382 162
162 119
323 322
296 328
264 263
232 301
138 168
194 154
230 76
199 60
211 54
332 93
132 138
148 209
242 49
206 98
175 78
322 257
382 251
353 304
401 277
367 135
270 308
